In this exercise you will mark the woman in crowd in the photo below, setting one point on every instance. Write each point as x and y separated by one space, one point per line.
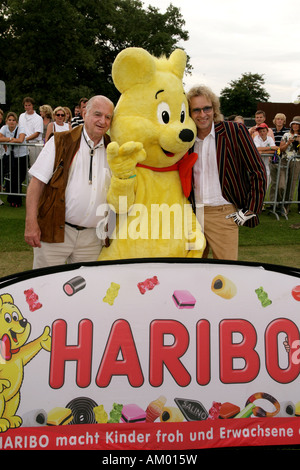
279 130
16 161
290 149
58 124
46 112
68 114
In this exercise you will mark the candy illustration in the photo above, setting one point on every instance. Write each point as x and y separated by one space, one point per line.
263 297
223 287
133 414
74 285
100 414
111 293
191 409
214 411
59 416
171 414
82 410
228 410
297 409
32 300
155 408
296 293
257 410
287 409
183 299
148 284
246 412
116 413
34 418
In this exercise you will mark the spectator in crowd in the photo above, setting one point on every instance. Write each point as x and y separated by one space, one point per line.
69 116
11 132
260 117
79 119
2 153
59 124
239 119
265 145
61 220
229 177
46 113
279 130
32 123
290 149
76 110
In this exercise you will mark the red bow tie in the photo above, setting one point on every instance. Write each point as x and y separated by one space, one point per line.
5 348
184 166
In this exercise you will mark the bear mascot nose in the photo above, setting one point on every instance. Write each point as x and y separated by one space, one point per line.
186 135
23 322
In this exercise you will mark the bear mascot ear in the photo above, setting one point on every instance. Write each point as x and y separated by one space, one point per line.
131 67
6 299
177 62
135 65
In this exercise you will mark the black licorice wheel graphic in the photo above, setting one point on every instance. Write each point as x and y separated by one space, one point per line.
82 410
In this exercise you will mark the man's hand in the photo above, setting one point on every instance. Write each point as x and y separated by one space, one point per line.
240 217
32 234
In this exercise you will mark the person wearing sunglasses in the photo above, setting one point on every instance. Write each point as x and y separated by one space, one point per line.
58 124
229 177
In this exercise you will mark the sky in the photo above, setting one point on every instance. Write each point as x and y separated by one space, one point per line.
228 38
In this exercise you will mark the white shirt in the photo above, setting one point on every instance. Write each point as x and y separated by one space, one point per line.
82 198
32 123
206 174
19 150
259 142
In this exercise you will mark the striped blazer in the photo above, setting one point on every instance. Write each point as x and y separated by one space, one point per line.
241 170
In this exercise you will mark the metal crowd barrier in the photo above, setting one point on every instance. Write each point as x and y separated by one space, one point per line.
14 176
288 167
286 193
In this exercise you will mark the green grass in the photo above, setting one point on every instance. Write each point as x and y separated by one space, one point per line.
272 241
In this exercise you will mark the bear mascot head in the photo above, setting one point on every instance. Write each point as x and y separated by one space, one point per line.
149 159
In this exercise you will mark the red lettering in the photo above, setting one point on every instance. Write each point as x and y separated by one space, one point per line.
60 353
120 343
242 350
168 355
291 372
203 352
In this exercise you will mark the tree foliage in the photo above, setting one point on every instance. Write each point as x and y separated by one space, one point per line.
61 50
242 95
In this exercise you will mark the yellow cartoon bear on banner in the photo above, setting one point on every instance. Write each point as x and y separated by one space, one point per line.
151 133
14 355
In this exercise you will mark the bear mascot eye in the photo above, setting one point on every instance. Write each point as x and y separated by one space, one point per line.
163 113
7 317
183 112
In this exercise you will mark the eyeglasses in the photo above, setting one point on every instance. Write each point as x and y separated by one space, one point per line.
206 110
60 115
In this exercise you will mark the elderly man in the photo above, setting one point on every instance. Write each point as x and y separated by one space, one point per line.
229 176
69 181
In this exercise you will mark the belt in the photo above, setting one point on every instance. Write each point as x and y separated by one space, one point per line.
77 227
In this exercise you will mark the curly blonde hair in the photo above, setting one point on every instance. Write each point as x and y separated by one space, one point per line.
203 90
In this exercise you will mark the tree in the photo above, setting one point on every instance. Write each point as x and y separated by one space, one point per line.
242 95
61 50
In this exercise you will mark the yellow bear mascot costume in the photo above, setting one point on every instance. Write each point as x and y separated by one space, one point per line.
151 168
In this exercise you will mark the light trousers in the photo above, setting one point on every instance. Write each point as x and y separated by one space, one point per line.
79 246
222 235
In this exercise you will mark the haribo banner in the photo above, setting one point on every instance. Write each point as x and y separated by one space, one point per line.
150 354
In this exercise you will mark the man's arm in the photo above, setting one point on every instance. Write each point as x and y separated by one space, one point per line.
32 230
